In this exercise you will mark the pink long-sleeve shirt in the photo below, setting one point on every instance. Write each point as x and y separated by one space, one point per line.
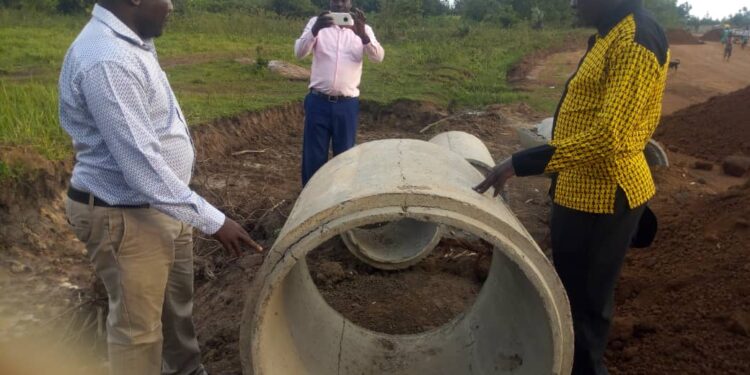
337 57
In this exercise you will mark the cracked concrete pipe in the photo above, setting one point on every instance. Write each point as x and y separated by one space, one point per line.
470 147
403 243
519 323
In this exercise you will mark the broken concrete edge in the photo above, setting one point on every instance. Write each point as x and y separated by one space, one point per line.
278 265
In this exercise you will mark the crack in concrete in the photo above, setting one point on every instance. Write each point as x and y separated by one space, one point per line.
341 346
399 163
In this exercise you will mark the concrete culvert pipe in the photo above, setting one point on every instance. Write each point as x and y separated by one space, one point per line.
519 323
469 147
655 154
393 245
403 243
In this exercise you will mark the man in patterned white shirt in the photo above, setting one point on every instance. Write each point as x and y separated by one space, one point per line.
129 199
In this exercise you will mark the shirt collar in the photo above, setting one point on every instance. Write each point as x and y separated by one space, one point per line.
616 15
118 27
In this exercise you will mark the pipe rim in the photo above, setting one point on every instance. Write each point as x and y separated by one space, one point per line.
517 247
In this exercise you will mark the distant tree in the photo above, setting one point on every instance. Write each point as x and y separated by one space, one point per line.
292 7
668 13
39 5
74 6
435 7
396 15
494 11
741 18
368 6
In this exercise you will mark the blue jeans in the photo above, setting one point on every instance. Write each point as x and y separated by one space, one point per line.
327 123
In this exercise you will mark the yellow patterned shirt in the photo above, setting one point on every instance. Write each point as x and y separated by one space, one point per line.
610 109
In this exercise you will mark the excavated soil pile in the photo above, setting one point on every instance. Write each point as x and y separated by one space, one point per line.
684 304
713 35
712 130
681 36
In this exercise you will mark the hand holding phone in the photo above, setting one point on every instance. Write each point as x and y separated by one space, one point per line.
342 19
323 21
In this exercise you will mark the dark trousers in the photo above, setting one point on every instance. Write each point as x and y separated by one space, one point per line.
327 123
588 251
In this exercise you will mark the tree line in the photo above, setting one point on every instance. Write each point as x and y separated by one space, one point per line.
504 12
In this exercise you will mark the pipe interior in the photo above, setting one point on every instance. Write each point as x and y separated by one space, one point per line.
393 242
506 331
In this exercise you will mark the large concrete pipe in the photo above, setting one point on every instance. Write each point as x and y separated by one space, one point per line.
469 147
655 154
393 245
403 243
519 323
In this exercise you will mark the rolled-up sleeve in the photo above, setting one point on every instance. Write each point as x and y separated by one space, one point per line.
117 100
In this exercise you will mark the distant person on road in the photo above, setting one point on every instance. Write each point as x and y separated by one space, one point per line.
129 199
728 46
725 34
332 105
745 36
602 182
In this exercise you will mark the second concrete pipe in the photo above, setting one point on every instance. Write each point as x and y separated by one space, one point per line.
403 243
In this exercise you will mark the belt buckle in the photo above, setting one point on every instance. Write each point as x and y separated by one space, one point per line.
332 99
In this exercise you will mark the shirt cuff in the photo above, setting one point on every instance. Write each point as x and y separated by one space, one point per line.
211 221
532 161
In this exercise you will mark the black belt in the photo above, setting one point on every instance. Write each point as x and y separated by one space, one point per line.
331 98
83 197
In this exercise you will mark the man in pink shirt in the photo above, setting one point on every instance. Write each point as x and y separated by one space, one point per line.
332 106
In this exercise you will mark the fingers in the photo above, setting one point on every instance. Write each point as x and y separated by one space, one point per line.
250 243
236 249
483 186
359 14
229 246
498 190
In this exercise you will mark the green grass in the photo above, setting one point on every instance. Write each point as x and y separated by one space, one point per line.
28 117
439 59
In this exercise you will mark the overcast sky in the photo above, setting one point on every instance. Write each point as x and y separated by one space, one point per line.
716 8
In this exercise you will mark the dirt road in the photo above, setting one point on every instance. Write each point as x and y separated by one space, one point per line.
702 74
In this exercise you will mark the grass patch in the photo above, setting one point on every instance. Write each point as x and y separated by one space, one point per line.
443 60
28 117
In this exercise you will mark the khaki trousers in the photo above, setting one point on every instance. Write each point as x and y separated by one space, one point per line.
145 259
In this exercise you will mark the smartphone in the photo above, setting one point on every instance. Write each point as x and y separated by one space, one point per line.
342 19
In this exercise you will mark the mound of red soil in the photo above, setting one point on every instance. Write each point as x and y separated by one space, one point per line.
713 35
681 36
684 304
712 130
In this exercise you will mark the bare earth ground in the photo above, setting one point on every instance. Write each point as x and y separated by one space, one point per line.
702 74
45 281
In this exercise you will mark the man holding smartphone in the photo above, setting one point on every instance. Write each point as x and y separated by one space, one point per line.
332 106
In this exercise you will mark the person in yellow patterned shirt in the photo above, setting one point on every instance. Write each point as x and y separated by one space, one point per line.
608 112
